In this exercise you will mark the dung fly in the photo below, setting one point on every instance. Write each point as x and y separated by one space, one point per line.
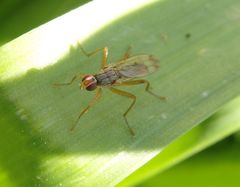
123 73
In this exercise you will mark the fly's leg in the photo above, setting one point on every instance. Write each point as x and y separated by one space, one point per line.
147 88
131 96
91 103
70 82
127 53
104 57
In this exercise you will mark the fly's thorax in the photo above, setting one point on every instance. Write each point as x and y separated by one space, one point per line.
107 76
89 82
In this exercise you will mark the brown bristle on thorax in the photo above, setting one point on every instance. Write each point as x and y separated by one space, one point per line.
107 77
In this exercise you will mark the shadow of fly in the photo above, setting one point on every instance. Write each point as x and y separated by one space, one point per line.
126 72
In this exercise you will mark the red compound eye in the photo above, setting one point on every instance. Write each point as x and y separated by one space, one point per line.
89 82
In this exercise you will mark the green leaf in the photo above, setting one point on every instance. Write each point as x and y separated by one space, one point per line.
197 43
225 122
216 166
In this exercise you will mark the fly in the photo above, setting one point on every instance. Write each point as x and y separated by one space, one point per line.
123 73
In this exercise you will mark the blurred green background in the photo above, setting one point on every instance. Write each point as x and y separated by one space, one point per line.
218 165
20 16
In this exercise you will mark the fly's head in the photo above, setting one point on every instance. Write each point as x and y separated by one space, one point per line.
89 82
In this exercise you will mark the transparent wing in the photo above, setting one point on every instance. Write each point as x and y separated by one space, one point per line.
137 66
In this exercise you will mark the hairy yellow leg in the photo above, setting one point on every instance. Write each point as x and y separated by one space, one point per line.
104 57
91 103
70 82
127 54
131 96
142 81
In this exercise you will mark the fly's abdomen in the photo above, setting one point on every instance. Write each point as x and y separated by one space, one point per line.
107 77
